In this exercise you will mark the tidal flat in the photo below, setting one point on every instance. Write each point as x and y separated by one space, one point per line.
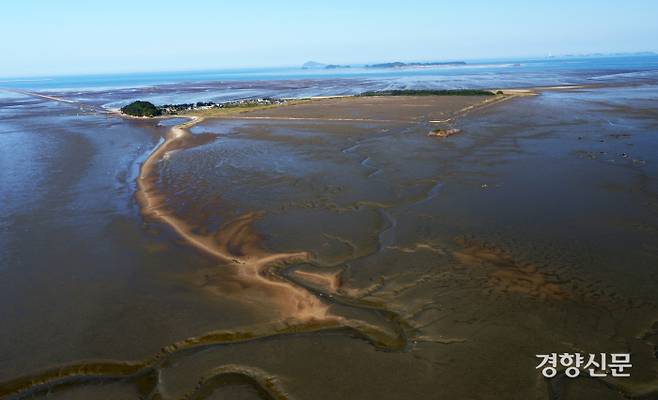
330 249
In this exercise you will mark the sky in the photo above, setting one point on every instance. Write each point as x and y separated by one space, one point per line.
84 37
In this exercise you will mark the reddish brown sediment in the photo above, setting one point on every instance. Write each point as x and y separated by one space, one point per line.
443 133
509 274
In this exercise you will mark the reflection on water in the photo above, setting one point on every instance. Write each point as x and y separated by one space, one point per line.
115 91
533 231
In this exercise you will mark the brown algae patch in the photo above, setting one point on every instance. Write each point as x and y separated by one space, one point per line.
509 275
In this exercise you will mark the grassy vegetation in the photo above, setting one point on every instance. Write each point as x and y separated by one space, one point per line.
141 109
421 92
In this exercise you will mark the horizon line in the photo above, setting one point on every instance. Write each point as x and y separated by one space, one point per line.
17 78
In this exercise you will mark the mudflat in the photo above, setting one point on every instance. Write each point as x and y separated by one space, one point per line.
383 108
331 249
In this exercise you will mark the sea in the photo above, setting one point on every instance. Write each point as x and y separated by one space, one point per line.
230 84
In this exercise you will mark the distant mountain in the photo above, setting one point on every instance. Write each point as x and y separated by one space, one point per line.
317 65
396 64
313 65
399 64
336 66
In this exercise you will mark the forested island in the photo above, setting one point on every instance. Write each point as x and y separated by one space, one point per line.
141 109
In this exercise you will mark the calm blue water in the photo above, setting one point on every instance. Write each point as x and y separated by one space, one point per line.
491 74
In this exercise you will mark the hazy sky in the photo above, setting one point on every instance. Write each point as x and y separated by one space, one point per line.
60 37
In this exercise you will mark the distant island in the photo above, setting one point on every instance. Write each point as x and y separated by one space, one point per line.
396 64
336 66
313 65
141 109
317 65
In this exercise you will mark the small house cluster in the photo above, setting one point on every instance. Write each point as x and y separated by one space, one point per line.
172 109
